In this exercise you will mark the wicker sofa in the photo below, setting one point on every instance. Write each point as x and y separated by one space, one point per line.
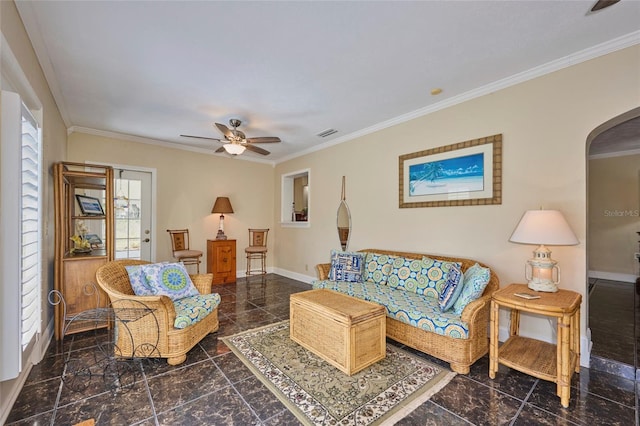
461 351
153 336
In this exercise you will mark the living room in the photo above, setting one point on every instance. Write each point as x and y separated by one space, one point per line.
546 119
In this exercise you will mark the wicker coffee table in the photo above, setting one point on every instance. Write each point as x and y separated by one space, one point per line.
347 332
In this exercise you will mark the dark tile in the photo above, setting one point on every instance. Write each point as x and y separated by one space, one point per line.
155 366
476 403
584 408
284 417
232 367
509 381
185 384
48 368
430 414
121 408
213 346
607 386
222 407
261 400
41 419
530 415
35 399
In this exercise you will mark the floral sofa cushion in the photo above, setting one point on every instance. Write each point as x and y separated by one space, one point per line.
190 310
377 267
405 306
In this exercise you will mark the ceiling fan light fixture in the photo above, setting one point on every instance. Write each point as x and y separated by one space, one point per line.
233 148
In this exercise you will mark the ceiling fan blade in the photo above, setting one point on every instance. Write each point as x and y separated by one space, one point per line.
221 149
256 149
265 139
225 130
200 137
601 4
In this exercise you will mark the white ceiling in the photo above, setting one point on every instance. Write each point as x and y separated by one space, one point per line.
159 69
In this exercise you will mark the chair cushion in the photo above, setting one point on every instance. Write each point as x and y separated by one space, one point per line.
169 279
346 266
255 250
190 310
476 279
180 254
452 288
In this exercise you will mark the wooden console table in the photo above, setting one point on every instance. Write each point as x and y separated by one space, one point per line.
221 260
546 361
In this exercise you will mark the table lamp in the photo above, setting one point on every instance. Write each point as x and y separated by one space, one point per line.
544 227
222 206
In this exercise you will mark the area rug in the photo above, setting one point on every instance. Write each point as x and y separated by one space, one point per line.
319 394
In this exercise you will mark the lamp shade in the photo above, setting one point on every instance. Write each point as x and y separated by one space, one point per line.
222 206
547 227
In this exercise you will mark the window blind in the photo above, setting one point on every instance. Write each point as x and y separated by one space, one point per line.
30 267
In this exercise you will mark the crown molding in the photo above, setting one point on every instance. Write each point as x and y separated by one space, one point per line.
593 52
157 142
28 14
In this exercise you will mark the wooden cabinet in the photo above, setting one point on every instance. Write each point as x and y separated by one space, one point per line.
221 260
75 268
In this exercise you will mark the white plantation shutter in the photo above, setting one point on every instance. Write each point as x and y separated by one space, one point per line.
21 235
30 229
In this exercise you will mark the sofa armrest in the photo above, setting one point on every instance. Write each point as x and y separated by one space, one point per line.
323 270
472 309
202 282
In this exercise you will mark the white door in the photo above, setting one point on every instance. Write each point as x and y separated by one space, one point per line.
133 215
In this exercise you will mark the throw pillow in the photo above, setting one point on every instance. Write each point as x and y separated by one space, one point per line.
346 266
169 279
452 288
433 276
378 267
476 279
138 281
404 273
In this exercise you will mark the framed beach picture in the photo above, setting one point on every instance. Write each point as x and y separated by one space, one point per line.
463 174
89 205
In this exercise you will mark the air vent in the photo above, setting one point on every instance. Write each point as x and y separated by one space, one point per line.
328 132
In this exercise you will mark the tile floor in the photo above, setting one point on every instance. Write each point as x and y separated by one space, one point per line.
614 317
214 388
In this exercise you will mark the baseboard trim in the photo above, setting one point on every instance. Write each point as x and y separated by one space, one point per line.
294 275
613 276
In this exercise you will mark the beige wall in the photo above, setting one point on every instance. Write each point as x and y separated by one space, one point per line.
54 149
614 203
187 186
545 123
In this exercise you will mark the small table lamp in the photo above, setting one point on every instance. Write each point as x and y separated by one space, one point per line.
544 227
222 206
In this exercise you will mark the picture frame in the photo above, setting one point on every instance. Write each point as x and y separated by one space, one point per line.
94 240
89 206
467 173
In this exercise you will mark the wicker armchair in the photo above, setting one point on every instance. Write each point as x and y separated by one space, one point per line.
153 336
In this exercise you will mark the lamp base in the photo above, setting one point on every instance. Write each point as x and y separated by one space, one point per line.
544 286
221 235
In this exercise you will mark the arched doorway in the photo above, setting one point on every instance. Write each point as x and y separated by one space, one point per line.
613 206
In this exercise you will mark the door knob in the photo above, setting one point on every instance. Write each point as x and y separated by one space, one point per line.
146 240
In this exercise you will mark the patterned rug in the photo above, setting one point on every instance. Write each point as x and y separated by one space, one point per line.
320 394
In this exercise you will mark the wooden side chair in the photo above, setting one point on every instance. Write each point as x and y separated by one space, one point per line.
180 248
257 250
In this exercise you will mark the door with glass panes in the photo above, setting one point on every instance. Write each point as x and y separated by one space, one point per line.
132 216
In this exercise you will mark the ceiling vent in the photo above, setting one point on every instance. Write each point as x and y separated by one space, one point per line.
328 132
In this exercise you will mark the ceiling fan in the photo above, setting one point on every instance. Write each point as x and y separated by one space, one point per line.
601 4
235 142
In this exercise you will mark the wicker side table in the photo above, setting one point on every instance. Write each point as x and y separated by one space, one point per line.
546 361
